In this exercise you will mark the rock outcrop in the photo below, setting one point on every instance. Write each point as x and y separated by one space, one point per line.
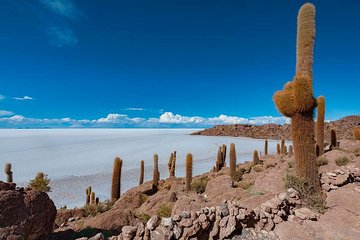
25 214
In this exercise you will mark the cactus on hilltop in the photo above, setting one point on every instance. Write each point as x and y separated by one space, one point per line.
320 123
142 168
189 167
116 179
9 173
232 161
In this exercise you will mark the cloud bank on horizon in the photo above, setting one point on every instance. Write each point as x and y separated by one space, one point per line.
115 120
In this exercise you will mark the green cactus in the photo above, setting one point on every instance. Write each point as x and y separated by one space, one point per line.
256 159
320 123
333 138
170 163
297 100
142 168
116 180
156 173
232 161
189 167
266 147
9 173
97 201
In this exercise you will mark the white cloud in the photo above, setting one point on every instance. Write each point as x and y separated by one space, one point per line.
61 37
24 98
134 109
64 8
167 119
5 113
2 97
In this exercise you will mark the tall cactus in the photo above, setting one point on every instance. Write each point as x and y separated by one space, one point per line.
142 168
232 161
93 198
189 167
282 146
173 165
170 163
320 124
116 180
356 132
156 173
88 194
256 159
266 147
297 101
8 173
278 148
333 138
223 154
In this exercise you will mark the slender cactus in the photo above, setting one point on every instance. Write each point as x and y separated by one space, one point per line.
266 147
116 180
92 198
291 151
189 167
297 99
333 141
170 163
278 148
173 165
156 173
88 194
223 154
97 201
142 168
256 158
320 123
232 161
9 173
282 146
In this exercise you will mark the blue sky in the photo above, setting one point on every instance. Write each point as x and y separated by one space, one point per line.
177 63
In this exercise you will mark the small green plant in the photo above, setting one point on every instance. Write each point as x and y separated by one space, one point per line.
342 161
101 207
41 182
322 161
310 197
164 210
199 185
143 217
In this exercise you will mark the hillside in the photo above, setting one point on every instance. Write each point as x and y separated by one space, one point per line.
343 128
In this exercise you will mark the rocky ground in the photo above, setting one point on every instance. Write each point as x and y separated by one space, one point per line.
258 206
343 128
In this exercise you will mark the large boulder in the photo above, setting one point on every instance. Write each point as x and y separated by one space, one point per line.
25 214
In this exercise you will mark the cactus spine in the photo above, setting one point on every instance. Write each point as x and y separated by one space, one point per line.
297 101
256 158
333 139
266 147
188 178
142 168
232 161
9 173
156 173
116 180
320 124
282 146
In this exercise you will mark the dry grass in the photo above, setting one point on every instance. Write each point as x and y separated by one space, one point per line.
342 161
321 161
164 210
199 185
244 184
258 168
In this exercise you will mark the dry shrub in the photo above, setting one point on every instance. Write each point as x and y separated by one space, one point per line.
199 185
342 161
